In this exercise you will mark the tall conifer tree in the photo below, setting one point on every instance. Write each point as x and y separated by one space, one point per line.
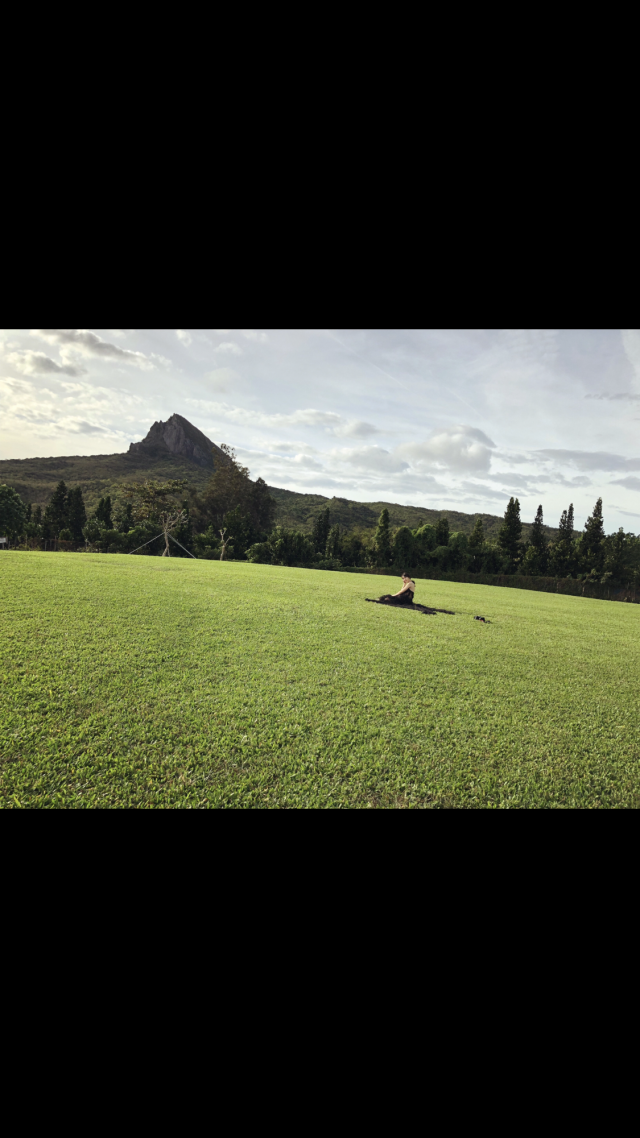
562 552
103 512
592 544
77 513
442 531
321 527
476 545
382 539
510 534
57 512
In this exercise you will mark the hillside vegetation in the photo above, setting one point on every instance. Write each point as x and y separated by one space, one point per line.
141 682
299 511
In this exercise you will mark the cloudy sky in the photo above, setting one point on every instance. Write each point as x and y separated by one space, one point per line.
444 419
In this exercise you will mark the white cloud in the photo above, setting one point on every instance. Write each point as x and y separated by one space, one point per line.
357 429
307 462
460 449
631 344
630 483
229 347
37 363
184 337
90 344
308 417
624 395
591 459
289 448
480 491
371 458
257 337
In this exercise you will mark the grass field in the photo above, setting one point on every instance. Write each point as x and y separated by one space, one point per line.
149 682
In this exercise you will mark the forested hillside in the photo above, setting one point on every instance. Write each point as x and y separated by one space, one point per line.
299 511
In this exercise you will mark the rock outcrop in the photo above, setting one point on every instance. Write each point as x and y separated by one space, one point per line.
179 436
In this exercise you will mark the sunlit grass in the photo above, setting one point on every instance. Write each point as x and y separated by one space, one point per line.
141 681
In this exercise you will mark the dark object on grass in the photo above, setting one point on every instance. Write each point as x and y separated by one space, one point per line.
388 600
483 619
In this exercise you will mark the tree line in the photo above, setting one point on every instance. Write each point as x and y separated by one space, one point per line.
233 518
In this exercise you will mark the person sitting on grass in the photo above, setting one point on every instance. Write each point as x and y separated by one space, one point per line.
405 595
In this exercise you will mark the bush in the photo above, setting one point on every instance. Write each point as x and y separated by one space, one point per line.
260 553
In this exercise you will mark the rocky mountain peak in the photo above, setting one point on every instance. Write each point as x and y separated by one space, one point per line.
180 437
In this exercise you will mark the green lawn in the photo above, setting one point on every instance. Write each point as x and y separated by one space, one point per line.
142 681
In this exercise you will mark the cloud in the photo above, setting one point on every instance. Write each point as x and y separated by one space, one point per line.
530 482
77 408
289 448
371 458
308 417
357 429
184 337
228 346
37 363
90 344
591 459
631 345
628 395
481 491
307 462
259 337
629 483
460 449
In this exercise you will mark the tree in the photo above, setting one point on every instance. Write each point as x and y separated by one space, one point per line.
592 544
424 542
476 546
510 534
457 550
321 527
57 511
382 539
169 521
290 547
535 562
149 498
353 550
562 559
230 488
123 518
404 551
333 548
13 513
103 513
183 534
615 554
77 513
492 559
442 531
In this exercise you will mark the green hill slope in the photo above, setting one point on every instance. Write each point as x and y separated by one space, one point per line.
97 475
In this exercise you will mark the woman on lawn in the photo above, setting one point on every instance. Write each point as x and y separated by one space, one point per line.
405 595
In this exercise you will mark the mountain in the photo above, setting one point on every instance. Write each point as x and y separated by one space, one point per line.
179 437
177 449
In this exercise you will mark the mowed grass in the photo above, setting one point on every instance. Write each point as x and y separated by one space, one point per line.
149 682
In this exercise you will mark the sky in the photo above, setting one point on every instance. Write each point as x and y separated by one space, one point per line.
444 419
